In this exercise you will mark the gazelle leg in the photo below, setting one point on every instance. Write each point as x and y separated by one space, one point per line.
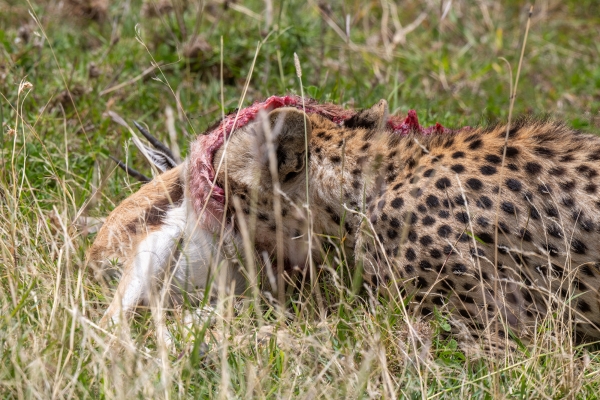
145 273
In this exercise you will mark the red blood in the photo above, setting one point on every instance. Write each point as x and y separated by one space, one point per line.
208 198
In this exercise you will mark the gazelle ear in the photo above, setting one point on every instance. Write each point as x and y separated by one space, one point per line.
371 118
290 129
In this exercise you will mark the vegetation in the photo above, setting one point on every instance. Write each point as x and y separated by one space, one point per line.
68 69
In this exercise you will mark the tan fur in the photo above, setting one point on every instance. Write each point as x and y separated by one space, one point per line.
132 220
418 213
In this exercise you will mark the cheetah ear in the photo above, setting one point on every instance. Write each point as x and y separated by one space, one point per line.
371 118
290 129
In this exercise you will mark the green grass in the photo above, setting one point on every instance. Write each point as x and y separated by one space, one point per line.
54 152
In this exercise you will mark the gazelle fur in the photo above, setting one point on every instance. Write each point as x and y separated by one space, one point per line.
154 242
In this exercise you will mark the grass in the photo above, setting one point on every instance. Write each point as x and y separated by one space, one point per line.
57 134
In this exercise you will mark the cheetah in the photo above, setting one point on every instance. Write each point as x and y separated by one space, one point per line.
496 233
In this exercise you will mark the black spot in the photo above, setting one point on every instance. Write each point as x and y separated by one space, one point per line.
587 270
425 265
462 216
488 170
477 252
557 171
460 200
395 223
459 269
551 249
554 230
426 240
483 222
443 214
428 220
443 183
467 286
544 189
492 158
438 300
583 306
585 224
587 171
462 237
568 201
533 168
590 188
484 202
263 217
578 247
356 184
413 218
525 235
458 168
544 151
567 186
466 299
421 208
552 211
384 217
448 284
398 202
507 207
474 183
448 250
428 173
471 137
435 254
426 311
412 236
421 282
526 295
511 298
503 227
513 167
365 146
444 231
409 269
577 284
446 203
567 158
595 156
510 151
458 154
513 184
475 145
432 201
392 234
410 254
485 237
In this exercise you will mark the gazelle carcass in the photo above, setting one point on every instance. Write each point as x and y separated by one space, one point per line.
162 248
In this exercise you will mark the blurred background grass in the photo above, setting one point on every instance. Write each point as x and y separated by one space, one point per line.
88 58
